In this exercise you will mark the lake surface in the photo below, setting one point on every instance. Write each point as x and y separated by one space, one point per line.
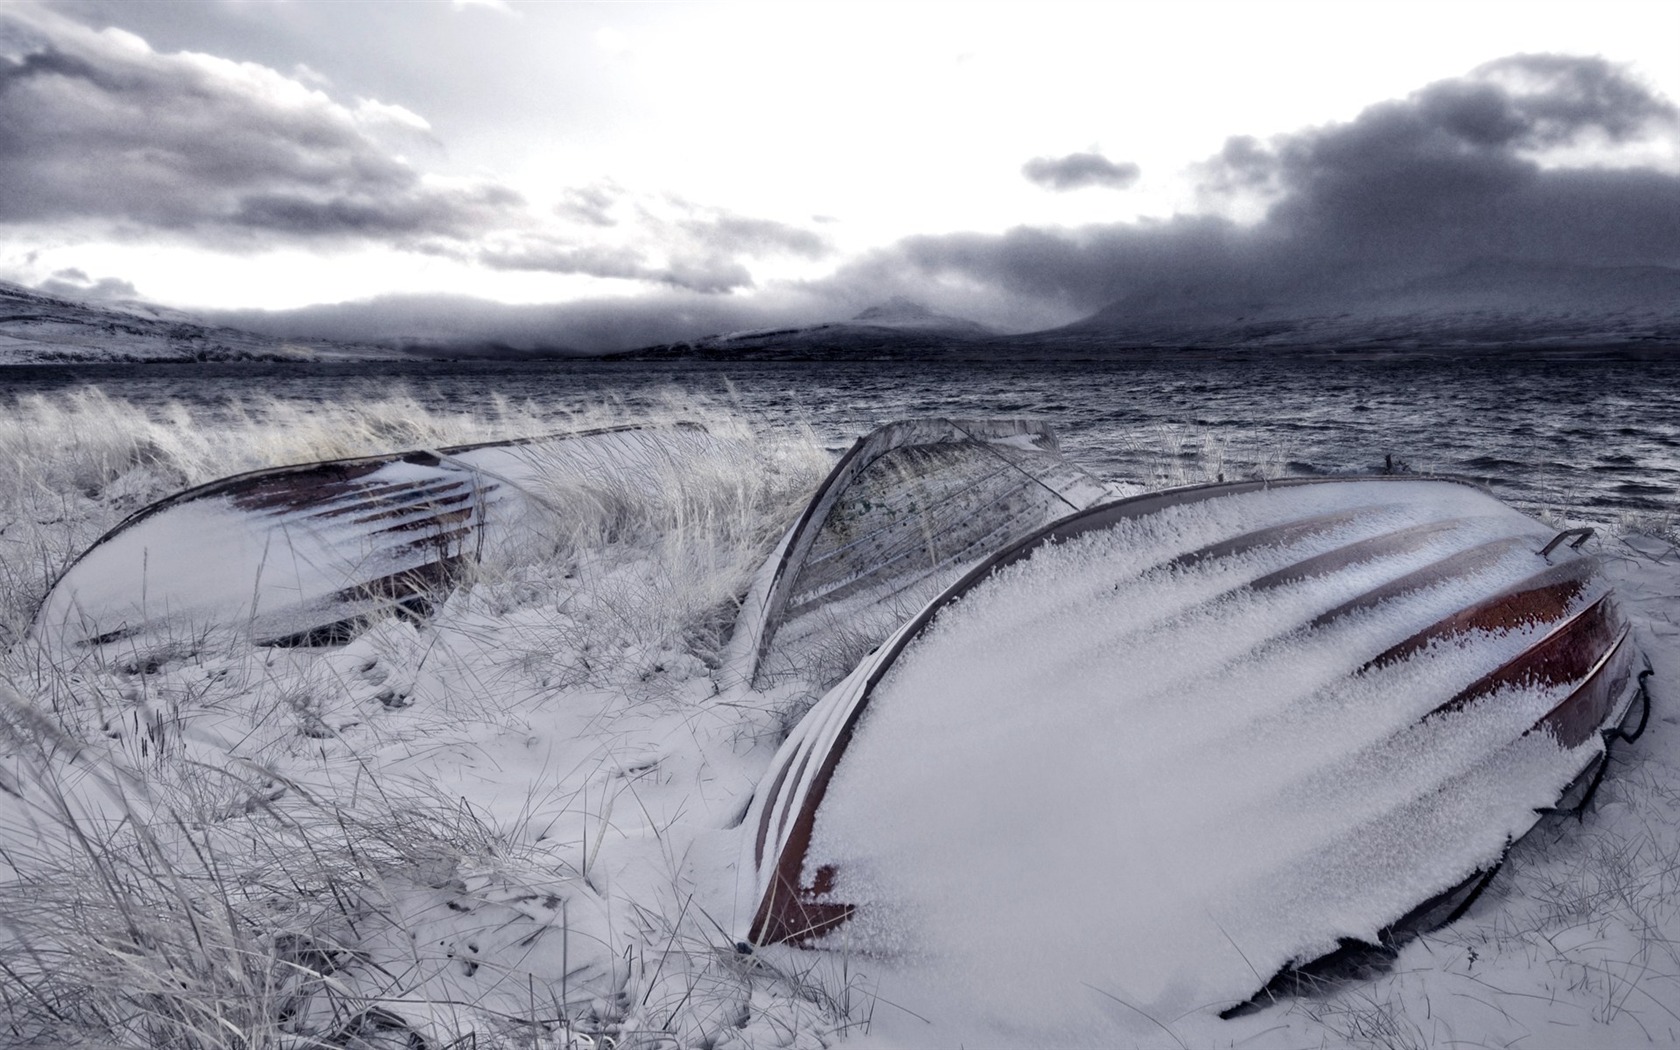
1592 439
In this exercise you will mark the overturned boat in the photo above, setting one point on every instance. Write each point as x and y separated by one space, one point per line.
1262 722
300 554
906 510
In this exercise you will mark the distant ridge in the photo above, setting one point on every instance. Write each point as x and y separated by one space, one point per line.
1489 304
899 327
37 328
899 312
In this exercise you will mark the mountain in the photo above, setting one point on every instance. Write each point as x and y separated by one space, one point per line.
36 328
1492 304
898 327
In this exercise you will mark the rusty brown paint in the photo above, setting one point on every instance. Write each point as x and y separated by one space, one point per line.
794 915
381 498
1542 598
1586 710
429 576
297 488
1482 556
1565 655
791 911
323 480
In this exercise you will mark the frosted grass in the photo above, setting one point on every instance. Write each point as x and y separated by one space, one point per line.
560 732
430 828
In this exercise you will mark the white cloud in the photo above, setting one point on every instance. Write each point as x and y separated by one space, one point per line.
98 128
372 111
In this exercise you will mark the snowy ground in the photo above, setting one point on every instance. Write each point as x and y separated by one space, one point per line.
518 820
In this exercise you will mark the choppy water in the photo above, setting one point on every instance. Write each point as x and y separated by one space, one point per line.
1589 439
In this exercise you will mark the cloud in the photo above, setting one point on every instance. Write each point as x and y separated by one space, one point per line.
595 261
74 283
591 204
662 315
727 233
1458 170
1079 170
1531 158
696 273
666 240
102 136
97 127
707 272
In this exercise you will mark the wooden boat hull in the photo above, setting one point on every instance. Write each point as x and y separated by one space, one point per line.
301 553
902 515
1399 646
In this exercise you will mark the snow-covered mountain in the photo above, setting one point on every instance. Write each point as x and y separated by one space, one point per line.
1491 304
36 328
898 327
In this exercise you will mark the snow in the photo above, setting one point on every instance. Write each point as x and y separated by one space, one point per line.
545 786
1079 758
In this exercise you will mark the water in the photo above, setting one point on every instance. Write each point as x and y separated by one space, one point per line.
1598 440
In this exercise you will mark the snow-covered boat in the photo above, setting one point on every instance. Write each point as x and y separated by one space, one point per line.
301 553
1262 721
903 513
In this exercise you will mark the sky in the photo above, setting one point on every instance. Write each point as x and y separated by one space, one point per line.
602 175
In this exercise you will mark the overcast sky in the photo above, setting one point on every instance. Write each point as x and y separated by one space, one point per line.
608 174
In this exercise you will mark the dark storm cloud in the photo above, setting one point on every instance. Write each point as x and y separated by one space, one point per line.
1458 171
1465 169
97 126
1078 170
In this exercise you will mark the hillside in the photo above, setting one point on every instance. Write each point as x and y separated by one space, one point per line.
36 328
